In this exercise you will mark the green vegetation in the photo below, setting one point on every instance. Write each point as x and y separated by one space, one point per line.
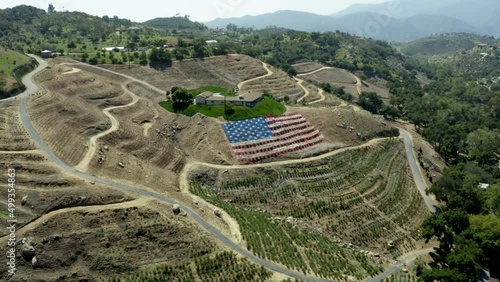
10 59
224 266
281 210
12 65
176 23
267 106
444 44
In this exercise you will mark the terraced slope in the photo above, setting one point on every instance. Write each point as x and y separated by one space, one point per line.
344 215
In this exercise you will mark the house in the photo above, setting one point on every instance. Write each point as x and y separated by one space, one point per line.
140 49
484 186
202 98
109 49
211 42
46 54
134 28
248 99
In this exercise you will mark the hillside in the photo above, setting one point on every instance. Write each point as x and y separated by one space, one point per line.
179 23
442 44
24 27
480 61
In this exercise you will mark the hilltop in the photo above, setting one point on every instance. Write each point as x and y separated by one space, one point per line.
179 23
443 44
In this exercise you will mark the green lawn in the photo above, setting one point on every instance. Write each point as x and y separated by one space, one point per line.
10 59
265 107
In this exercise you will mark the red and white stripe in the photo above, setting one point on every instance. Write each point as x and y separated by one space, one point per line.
291 133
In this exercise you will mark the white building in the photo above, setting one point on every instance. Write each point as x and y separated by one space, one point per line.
109 49
211 42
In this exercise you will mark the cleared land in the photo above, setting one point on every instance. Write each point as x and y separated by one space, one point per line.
278 84
336 77
370 201
224 71
306 67
333 220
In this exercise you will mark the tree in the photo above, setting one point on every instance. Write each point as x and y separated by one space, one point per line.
199 50
483 145
51 9
457 258
182 96
371 102
143 58
71 45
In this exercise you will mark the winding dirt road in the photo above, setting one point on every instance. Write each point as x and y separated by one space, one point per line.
359 83
115 125
183 181
269 73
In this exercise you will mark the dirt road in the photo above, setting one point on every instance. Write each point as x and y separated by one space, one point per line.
115 125
300 82
25 118
321 99
269 73
359 83
210 228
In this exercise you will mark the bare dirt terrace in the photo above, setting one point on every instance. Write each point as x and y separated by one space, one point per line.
225 71
306 67
71 229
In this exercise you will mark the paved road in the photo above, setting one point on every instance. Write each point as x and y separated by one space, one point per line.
417 175
31 87
210 228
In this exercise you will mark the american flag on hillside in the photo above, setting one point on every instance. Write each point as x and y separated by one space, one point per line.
268 137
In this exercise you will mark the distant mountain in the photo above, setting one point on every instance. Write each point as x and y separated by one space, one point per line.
387 28
175 23
286 19
480 14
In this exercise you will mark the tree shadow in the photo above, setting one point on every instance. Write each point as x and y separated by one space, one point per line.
180 107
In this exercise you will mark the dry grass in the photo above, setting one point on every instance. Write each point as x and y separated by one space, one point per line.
225 71
13 136
326 120
306 67
279 85
97 244
332 76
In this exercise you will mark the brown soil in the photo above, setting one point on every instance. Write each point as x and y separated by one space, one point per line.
224 71
278 85
327 121
13 136
47 188
306 67
96 243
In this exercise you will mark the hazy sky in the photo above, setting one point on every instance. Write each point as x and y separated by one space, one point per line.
200 10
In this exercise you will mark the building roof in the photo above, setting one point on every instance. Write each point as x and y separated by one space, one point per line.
484 185
206 94
46 51
249 96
